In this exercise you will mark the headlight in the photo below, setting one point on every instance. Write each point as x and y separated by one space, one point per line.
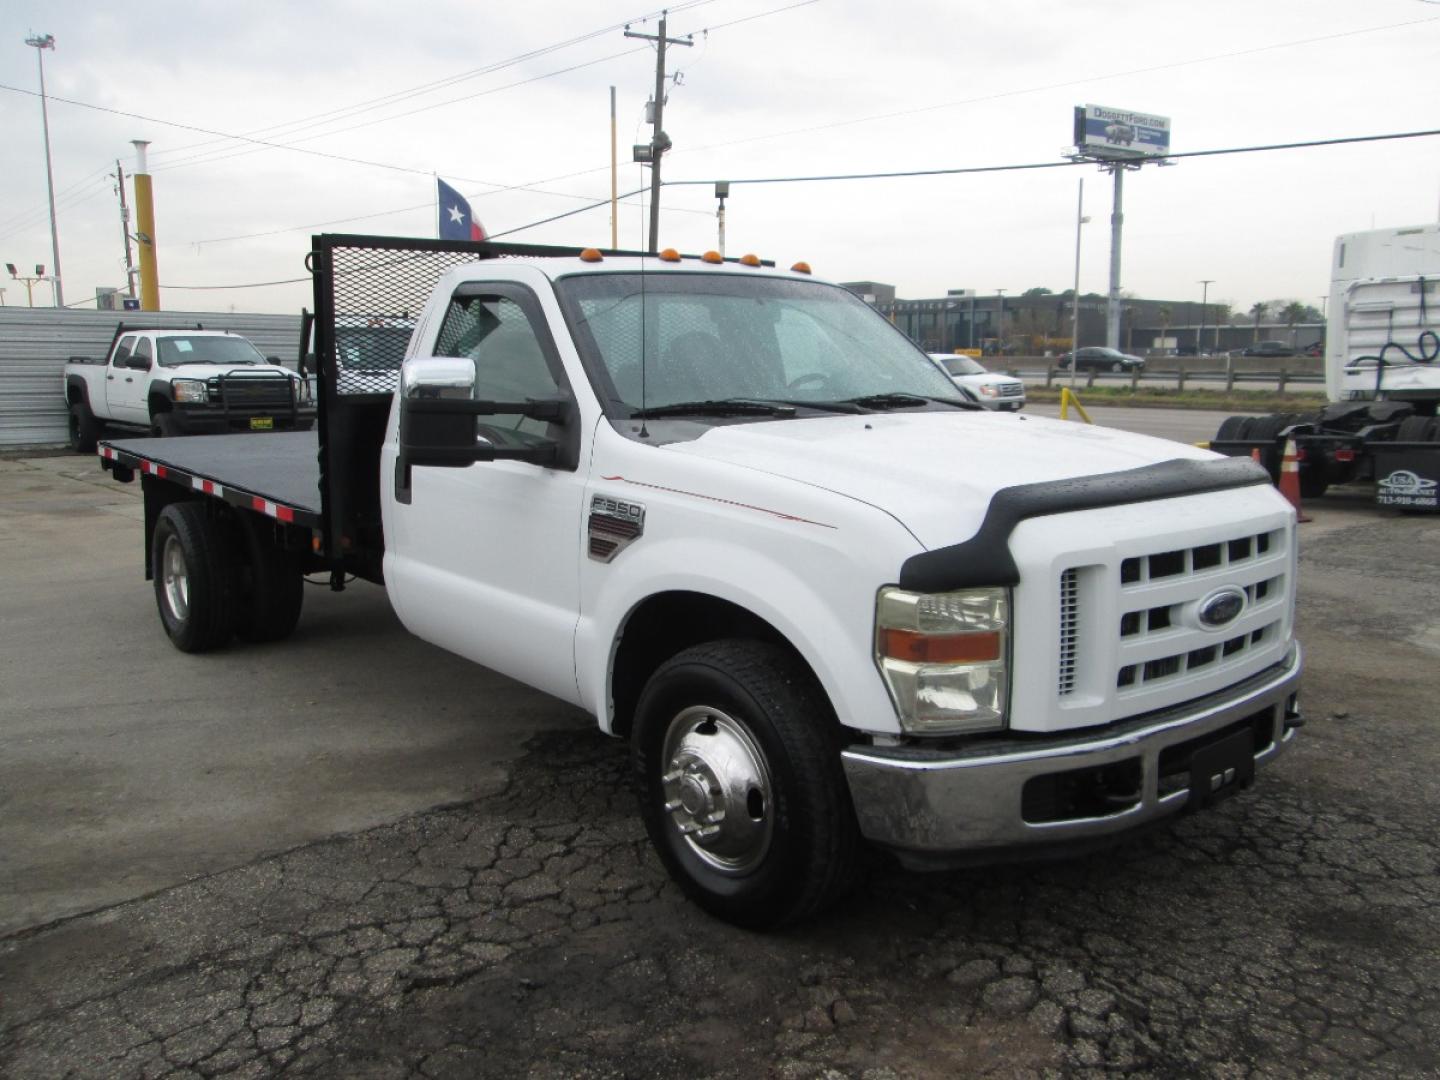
988 391
189 390
945 658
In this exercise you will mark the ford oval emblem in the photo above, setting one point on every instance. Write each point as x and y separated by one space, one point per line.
1221 607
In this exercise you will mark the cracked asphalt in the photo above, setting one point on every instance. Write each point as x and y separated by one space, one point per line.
1292 931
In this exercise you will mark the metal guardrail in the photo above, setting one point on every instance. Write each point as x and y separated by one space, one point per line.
1051 376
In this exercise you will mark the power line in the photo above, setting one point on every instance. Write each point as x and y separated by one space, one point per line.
1066 164
355 109
911 173
1003 94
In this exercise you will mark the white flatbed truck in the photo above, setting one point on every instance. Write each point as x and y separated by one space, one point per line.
745 523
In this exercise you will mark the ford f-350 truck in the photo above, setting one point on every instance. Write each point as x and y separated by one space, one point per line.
754 530
172 381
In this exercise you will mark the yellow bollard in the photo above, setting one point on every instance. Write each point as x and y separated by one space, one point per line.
1068 398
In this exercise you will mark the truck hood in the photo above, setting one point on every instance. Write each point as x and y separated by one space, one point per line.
205 371
934 472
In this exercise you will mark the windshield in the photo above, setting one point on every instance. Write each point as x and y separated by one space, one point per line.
961 365
175 351
693 337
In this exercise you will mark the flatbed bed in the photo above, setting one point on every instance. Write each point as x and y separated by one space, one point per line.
275 473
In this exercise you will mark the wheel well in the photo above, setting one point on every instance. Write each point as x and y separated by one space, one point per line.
667 623
74 394
160 403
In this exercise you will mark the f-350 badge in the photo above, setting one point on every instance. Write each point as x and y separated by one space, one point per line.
614 525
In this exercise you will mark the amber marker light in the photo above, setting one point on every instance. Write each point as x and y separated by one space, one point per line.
749 260
712 257
591 255
920 648
801 268
669 255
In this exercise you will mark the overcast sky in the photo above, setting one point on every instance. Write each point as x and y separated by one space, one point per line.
829 86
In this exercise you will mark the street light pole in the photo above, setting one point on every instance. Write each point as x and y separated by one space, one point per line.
1080 220
1000 323
1205 284
40 44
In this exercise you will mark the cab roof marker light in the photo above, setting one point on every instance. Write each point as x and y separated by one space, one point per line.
712 257
591 255
749 260
669 255
801 268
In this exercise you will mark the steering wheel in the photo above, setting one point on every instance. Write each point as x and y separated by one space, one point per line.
819 378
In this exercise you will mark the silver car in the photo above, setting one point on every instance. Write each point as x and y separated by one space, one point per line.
981 386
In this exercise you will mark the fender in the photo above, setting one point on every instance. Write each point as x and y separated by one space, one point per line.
822 615
77 391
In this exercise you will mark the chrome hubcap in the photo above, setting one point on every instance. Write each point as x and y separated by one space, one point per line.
175 579
717 789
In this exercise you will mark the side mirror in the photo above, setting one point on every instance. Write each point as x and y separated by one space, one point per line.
139 363
438 413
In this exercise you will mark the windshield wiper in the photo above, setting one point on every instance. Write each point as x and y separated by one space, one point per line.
728 407
902 401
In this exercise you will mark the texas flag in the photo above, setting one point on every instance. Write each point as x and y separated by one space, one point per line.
456 221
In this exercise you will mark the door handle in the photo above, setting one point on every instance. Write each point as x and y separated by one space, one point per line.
109 378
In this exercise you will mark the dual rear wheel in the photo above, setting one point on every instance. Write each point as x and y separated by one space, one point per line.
217 577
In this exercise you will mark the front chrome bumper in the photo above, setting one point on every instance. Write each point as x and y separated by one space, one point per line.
971 804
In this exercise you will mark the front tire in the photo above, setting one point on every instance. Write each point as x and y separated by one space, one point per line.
190 561
737 767
85 430
162 425
1117 367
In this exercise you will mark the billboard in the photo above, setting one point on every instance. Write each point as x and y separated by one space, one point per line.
1102 132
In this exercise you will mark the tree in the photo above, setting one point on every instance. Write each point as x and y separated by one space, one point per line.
1292 313
1257 313
1163 315
1039 290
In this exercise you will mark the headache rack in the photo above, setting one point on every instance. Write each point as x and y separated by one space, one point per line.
369 292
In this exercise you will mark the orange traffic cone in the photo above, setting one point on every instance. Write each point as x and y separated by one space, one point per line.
1290 479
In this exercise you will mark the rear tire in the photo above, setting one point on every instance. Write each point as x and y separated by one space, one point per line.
271 587
1231 428
85 430
737 766
192 565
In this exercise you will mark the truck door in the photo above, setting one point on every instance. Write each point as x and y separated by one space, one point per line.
484 560
125 384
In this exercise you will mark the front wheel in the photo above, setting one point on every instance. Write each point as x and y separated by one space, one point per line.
1117 367
737 767
85 429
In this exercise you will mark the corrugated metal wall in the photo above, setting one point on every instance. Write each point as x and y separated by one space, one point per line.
36 342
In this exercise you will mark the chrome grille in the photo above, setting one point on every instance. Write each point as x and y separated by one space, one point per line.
1069 630
1011 389
1160 642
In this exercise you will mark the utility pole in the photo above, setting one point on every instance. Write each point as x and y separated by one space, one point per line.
125 230
40 44
660 142
614 182
1205 284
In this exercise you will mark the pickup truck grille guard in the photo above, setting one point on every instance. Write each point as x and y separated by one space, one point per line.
291 515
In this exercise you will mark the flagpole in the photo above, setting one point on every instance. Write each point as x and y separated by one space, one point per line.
436 178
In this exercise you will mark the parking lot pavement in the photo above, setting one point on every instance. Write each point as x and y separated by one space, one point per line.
126 766
1291 931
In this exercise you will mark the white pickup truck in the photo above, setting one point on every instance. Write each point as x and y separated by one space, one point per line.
180 382
749 526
